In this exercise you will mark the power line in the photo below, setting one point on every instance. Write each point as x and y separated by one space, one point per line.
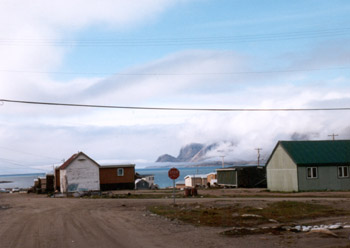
18 164
180 74
175 108
28 153
179 41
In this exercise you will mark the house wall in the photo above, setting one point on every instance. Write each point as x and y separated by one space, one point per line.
227 177
57 179
110 180
193 181
110 175
142 184
81 175
149 179
251 177
327 179
188 182
281 172
63 181
211 176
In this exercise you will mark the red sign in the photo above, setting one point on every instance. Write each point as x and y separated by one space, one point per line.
173 173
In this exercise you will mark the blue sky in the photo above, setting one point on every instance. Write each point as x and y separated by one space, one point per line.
168 53
201 19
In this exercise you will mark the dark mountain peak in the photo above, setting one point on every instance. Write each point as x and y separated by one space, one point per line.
167 158
189 151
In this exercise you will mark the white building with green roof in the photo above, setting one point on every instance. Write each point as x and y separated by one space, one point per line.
309 166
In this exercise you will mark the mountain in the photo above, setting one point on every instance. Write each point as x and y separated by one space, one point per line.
166 158
194 152
189 151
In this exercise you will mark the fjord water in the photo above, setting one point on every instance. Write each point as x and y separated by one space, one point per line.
160 174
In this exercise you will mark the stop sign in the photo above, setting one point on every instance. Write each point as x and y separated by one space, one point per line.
173 173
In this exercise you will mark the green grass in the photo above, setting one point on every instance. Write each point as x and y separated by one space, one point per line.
228 216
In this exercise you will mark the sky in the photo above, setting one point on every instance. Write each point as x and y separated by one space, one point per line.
228 54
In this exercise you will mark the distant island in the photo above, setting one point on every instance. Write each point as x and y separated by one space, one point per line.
6 182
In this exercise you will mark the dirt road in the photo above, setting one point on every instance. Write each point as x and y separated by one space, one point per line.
38 221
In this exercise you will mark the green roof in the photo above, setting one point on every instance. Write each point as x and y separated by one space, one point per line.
318 152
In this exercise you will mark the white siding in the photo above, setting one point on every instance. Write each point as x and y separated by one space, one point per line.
63 181
281 172
81 175
188 182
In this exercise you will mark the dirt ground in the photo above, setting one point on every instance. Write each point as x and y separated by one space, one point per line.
29 220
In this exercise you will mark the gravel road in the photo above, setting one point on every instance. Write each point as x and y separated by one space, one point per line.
37 221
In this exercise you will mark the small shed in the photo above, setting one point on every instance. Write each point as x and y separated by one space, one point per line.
148 178
196 180
212 178
249 176
142 184
42 183
180 184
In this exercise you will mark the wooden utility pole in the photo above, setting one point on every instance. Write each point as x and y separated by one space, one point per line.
258 149
333 136
223 161
223 156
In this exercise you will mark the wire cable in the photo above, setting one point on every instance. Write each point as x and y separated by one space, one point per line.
180 74
312 34
177 109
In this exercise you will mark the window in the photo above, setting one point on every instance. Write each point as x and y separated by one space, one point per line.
312 172
343 171
120 172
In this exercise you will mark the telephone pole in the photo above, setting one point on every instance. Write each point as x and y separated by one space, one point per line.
258 149
223 163
333 136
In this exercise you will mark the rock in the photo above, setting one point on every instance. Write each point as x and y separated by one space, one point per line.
306 228
286 228
324 231
272 220
296 229
251 215
76 194
334 227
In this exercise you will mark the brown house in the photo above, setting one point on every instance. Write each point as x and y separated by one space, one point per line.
113 177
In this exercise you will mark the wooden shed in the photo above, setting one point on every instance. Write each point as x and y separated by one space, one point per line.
249 176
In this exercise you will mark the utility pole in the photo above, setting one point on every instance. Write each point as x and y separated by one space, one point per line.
223 156
258 149
333 136
223 163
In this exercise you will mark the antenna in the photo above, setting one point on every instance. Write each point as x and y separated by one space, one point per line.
333 136
258 149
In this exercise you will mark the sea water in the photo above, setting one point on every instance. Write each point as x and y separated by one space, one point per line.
19 180
160 176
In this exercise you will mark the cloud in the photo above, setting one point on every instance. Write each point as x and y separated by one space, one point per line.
176 73
190 78
136 135
33 28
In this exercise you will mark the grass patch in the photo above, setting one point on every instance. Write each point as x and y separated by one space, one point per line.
228 216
